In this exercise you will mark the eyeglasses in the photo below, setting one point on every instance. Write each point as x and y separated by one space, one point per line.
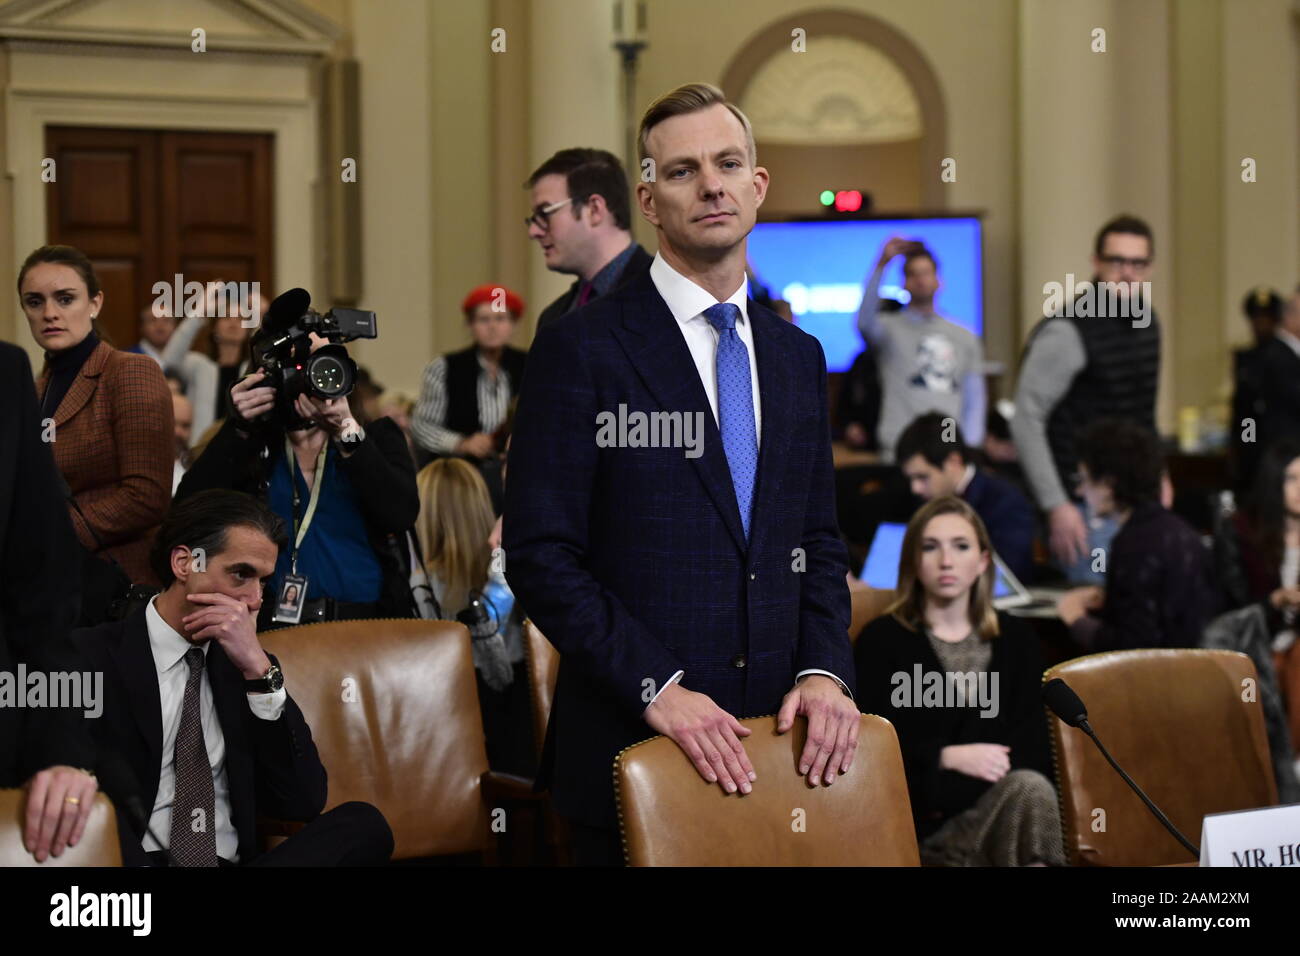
1121 261
542 215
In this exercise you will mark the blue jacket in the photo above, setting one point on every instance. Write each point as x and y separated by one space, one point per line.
1009 518
632 560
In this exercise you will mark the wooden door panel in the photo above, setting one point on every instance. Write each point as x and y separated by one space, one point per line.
145 205
104 201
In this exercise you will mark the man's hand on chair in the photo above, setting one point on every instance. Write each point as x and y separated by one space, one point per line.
59 801
707 734
833 721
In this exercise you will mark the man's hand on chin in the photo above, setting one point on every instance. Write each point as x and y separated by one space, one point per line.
707 734
833 721
233 625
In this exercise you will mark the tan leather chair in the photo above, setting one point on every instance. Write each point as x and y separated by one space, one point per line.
543 666
98 846
393 708
1175 720
867 604
669 815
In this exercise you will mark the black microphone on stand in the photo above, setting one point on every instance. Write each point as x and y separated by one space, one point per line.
1065 704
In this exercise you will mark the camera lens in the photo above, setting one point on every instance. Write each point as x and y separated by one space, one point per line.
329 376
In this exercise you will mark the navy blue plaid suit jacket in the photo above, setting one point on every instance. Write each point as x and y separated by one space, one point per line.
632 561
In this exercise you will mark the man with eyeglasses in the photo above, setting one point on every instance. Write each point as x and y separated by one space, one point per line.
1098 357
581 219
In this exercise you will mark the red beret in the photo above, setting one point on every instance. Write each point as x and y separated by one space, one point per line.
488 293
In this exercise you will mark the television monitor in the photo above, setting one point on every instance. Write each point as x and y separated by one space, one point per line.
819 267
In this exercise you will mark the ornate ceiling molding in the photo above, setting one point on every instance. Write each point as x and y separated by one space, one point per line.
242 26
843 91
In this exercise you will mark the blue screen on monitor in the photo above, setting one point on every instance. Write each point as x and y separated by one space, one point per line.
1001 586
881 567
820 267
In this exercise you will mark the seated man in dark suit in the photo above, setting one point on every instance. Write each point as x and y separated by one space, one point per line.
198 713
936 462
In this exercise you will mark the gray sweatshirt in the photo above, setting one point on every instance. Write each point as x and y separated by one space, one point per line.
927 364
1054 358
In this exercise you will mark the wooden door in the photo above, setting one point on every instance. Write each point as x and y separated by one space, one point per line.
145 205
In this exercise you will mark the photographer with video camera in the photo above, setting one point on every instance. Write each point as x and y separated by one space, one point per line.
347 493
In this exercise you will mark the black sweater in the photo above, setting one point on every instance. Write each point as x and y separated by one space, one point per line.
887 648
379 467
1158 587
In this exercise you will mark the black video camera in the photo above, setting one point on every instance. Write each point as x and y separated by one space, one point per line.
282 348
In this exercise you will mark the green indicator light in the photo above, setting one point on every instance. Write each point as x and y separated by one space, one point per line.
827 197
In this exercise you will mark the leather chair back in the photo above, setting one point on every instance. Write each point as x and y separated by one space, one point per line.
867 604
393 708
98 846
543 666
1176 721
669 815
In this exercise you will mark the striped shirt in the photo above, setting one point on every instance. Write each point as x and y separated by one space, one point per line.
428 424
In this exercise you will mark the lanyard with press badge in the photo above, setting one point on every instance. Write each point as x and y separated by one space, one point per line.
293 590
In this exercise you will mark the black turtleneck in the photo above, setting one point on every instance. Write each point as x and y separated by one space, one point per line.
64 367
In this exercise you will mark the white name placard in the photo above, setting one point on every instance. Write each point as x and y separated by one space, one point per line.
1266 837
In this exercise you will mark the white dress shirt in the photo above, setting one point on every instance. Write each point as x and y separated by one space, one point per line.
687 302
169 649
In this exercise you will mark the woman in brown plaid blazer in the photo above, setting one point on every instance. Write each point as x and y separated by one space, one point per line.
112 411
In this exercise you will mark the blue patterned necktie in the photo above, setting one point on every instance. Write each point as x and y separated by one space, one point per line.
736 407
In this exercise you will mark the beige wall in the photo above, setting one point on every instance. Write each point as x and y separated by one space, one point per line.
1049 140
1095 141
1261 119
971 49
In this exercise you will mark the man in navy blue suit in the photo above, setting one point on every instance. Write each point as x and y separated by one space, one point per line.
936 462
670 517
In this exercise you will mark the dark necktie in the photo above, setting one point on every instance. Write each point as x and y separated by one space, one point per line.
736 407
193 835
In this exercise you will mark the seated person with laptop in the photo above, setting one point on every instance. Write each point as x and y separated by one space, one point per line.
880 571
936 462
1158 591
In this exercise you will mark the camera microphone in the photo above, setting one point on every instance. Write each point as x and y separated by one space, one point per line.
285 312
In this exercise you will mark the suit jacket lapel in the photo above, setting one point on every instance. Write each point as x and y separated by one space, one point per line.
135 663
774 388
656 348
83 386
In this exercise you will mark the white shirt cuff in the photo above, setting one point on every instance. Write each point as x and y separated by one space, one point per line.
813 670
268 706
668 683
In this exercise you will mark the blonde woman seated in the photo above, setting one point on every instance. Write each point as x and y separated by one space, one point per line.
468 581
961 684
